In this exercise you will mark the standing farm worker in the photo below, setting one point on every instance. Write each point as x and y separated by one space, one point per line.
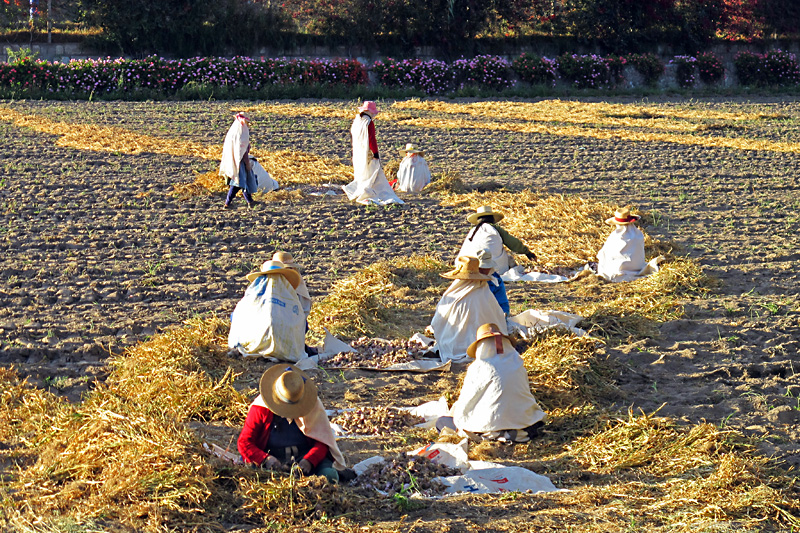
488 235
236 167
369 185
495 401
464 307
413 174
269 321
622 256
287 425
496 284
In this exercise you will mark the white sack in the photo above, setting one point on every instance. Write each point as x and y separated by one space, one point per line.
534 321
413 174
446 453
622 256
268 321
236 142
465 306
498 479
496 395
369 185
264 180
518 274
487 238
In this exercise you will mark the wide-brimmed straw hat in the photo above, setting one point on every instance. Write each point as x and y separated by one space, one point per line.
287 391
622 217
369 108
412 148
484 210
287 259
466 268
276 267
484 332
485 258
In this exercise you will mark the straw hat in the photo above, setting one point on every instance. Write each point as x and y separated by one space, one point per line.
276 267
483 211
369 108
287 259
622 217
484 332
287 391
466 268
411 148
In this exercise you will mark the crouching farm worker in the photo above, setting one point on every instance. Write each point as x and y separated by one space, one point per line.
464 307
369 185
622 256
495 401
413 174
488 235
269 320
236 167
287 425
302 291
496 285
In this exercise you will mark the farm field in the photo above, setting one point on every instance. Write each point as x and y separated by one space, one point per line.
114 233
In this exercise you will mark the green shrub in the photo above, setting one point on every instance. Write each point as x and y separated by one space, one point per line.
648 66
710 68
535 70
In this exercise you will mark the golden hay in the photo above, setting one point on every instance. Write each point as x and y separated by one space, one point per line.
563 231
270 498
446 182
551 114
565 370
711 473
370 301
287 166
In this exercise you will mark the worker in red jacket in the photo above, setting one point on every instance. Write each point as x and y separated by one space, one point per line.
287 426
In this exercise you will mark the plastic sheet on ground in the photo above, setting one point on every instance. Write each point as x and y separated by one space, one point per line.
518 274
534 321
222 453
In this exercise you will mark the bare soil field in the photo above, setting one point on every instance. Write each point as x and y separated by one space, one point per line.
99 253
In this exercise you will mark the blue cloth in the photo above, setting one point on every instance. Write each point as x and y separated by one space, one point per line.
245 180
284 435
498 288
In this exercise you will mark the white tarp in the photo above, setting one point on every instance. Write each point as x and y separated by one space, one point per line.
236 142
464 307
413 174
533 321
484 479
369 185
264 180
486 238
518 274
496 395
622 256
268 321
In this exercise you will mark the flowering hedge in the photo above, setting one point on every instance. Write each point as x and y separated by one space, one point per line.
119 76
106 75
775 67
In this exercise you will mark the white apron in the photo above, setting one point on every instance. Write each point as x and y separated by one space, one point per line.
622 256
316 425
236 142
489 239
496 394
369 185
413 174
465 306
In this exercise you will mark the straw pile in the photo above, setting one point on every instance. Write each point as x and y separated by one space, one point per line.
581 119
563 231
565 370
271 498
370 302
707 473
446 182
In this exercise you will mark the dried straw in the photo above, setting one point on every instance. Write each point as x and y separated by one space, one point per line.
387 299
565 370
